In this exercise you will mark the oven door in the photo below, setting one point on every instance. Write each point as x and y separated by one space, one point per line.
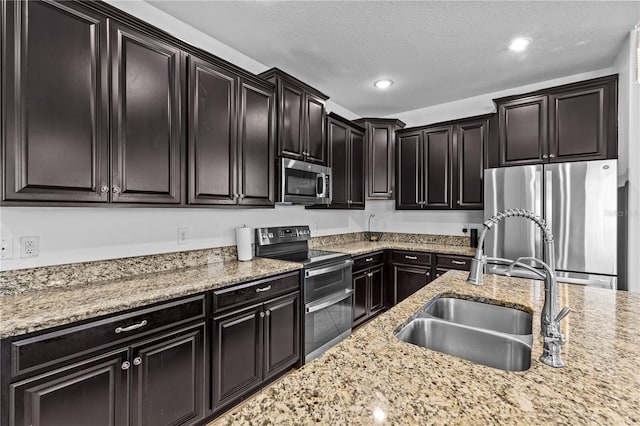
327 322
326 280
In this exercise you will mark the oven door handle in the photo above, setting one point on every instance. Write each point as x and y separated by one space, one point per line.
319 271
322 304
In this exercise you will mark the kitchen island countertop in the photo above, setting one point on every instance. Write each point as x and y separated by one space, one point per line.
373 378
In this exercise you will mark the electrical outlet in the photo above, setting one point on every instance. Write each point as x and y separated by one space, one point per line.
183 235
6 248
29 246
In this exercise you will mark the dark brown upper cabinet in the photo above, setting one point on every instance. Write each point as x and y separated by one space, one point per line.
212 142
440 167
574 122
147 131
56 117
346 153
231 142
301 118
256 145
468 170
380 139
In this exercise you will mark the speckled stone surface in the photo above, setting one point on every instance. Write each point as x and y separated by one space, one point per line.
373 372
450 240
39 309
363 247
58 276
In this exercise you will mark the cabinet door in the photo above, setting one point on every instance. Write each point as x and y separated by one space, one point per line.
168 386
91 392
281 334
409 279
380 161
356 169
237 355
409 181
256 157
290 137
578 122
55 94
376 290
436 158
212 137
522 132
469 165
146 130
360 296
339 151
316 146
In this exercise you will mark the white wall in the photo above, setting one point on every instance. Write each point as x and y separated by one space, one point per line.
436 222
483 104
629 148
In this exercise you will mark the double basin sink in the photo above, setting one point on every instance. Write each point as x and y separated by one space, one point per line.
491 335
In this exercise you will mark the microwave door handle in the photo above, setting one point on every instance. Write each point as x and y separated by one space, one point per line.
320 185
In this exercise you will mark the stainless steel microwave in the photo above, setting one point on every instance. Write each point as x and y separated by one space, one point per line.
304 183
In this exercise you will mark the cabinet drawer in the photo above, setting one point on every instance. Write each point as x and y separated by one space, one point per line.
46 349
255 291
462 263
367 260
411 258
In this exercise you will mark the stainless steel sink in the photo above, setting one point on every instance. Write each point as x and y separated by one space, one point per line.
495 336
484 347
481 315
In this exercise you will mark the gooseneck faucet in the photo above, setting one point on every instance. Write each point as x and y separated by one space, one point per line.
550 317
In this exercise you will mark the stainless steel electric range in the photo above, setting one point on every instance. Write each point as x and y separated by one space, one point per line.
327 289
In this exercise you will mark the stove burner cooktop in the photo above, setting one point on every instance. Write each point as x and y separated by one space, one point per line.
310 256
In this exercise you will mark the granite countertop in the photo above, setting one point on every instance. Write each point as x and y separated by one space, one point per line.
373 372
40 309
363 247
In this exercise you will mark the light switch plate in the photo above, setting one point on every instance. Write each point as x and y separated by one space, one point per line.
6 248
183 235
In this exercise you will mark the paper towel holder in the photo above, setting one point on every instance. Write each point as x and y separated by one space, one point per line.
244 246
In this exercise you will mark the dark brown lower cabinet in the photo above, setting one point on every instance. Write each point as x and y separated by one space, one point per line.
368 298
159 381
168 380
407 279
91 392
253 344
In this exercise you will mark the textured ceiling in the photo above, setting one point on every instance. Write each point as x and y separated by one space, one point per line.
435 51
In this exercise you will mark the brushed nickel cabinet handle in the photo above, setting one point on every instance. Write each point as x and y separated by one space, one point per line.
104 189
411 257
137 361
552 156
268 313
544 156
131 327
458 262
125 365
369 259
260 290
261 314
116 189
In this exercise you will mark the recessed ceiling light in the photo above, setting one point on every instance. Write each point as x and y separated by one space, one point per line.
519 44
383 84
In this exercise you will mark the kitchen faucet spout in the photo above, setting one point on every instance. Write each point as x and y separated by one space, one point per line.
550 317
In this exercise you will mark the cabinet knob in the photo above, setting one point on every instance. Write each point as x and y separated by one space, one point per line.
428 274
268 313
125 365
544 156
104 189
261 314
552 156
241 196
116 189
137 361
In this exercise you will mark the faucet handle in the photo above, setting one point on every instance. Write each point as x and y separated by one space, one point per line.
563 313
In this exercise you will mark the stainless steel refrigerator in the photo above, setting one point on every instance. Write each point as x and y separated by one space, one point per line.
577 200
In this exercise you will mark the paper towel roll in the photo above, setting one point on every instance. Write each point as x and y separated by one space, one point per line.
243 243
